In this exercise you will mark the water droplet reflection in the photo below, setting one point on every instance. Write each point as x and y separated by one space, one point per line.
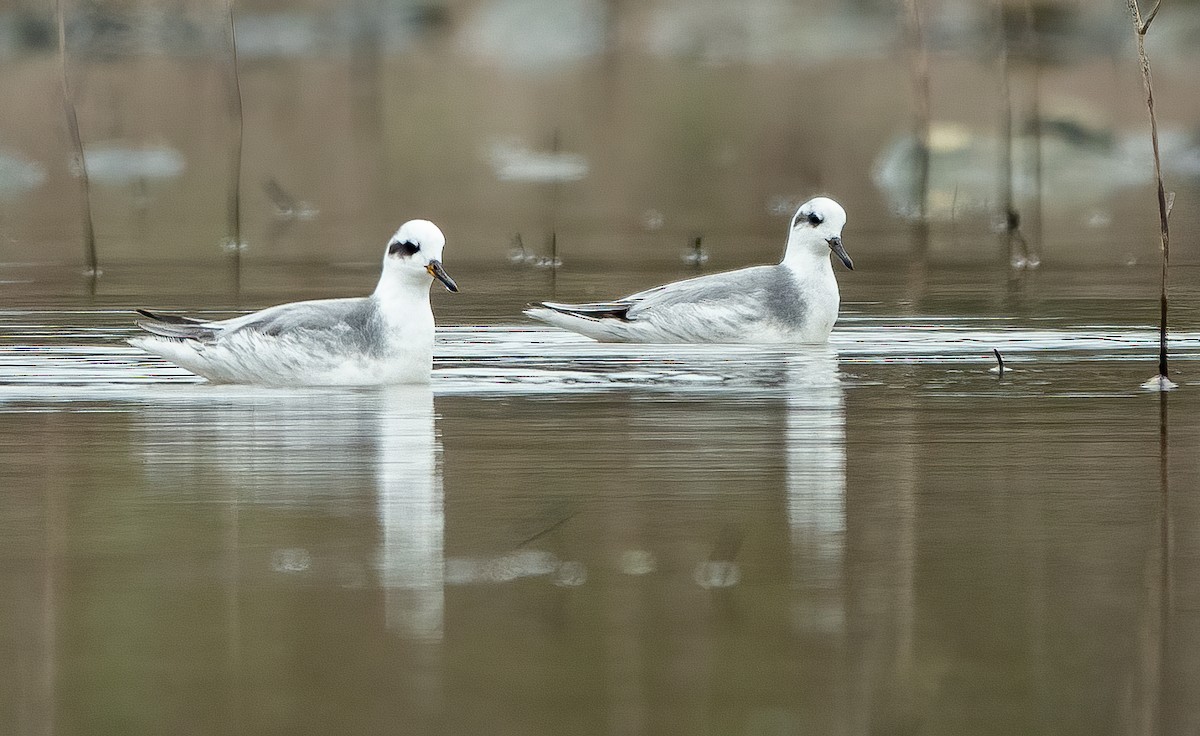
291 560
636 562
717 574
570 574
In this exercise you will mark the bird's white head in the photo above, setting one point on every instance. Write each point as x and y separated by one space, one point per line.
415 254
816 230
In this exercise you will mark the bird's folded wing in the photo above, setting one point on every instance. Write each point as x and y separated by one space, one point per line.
732 290
179 330
176 327
171 319
593 310
323 315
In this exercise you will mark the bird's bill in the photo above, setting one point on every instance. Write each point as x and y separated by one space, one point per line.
435 270
835 245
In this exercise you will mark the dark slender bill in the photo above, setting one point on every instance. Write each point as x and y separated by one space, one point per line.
435 270
835 245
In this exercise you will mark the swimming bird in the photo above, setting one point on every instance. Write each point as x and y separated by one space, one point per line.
383 338
795 301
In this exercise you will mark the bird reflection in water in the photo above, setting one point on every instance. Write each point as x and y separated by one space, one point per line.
339 458
411 513
816 489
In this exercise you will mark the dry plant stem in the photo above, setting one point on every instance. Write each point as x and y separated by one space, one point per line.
235 194
89 232
551 527
1035 114
1164 205
1015 242
919 60
555 147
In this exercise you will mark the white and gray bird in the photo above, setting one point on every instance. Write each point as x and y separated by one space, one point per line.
795 301
383 338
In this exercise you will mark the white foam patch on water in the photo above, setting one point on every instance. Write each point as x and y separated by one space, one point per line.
502 569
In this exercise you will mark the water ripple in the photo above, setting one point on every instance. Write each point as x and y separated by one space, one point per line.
36 351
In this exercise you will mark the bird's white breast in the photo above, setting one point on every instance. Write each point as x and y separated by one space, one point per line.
817 283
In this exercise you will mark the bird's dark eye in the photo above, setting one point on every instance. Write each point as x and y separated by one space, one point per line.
814 219
406 248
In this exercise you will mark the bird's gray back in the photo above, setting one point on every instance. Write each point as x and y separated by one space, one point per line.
347 324
770 292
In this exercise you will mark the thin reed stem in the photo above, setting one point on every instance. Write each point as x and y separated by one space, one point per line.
919 64
234 209
1140 28
555 191
1011 218
89 231
1035 116
1019 255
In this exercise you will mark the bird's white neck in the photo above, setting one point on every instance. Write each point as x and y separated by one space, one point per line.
399 291
802 257
813 272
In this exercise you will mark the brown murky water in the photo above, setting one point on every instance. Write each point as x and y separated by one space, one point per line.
559 537
564 537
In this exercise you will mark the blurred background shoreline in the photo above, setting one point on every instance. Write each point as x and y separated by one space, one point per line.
625 130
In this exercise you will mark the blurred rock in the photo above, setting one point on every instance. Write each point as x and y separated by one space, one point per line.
19 175
1080 165
119 162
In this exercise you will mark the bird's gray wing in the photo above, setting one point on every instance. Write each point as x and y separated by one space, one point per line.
350 324
717 307
175 327
592 310
730 288
322 314
341 320
722 307
750 292
171 319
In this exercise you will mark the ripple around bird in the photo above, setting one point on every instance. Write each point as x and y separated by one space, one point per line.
82 353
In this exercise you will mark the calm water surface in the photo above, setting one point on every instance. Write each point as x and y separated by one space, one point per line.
561 537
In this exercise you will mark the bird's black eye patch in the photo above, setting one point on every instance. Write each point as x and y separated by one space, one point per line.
406 248
810 218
